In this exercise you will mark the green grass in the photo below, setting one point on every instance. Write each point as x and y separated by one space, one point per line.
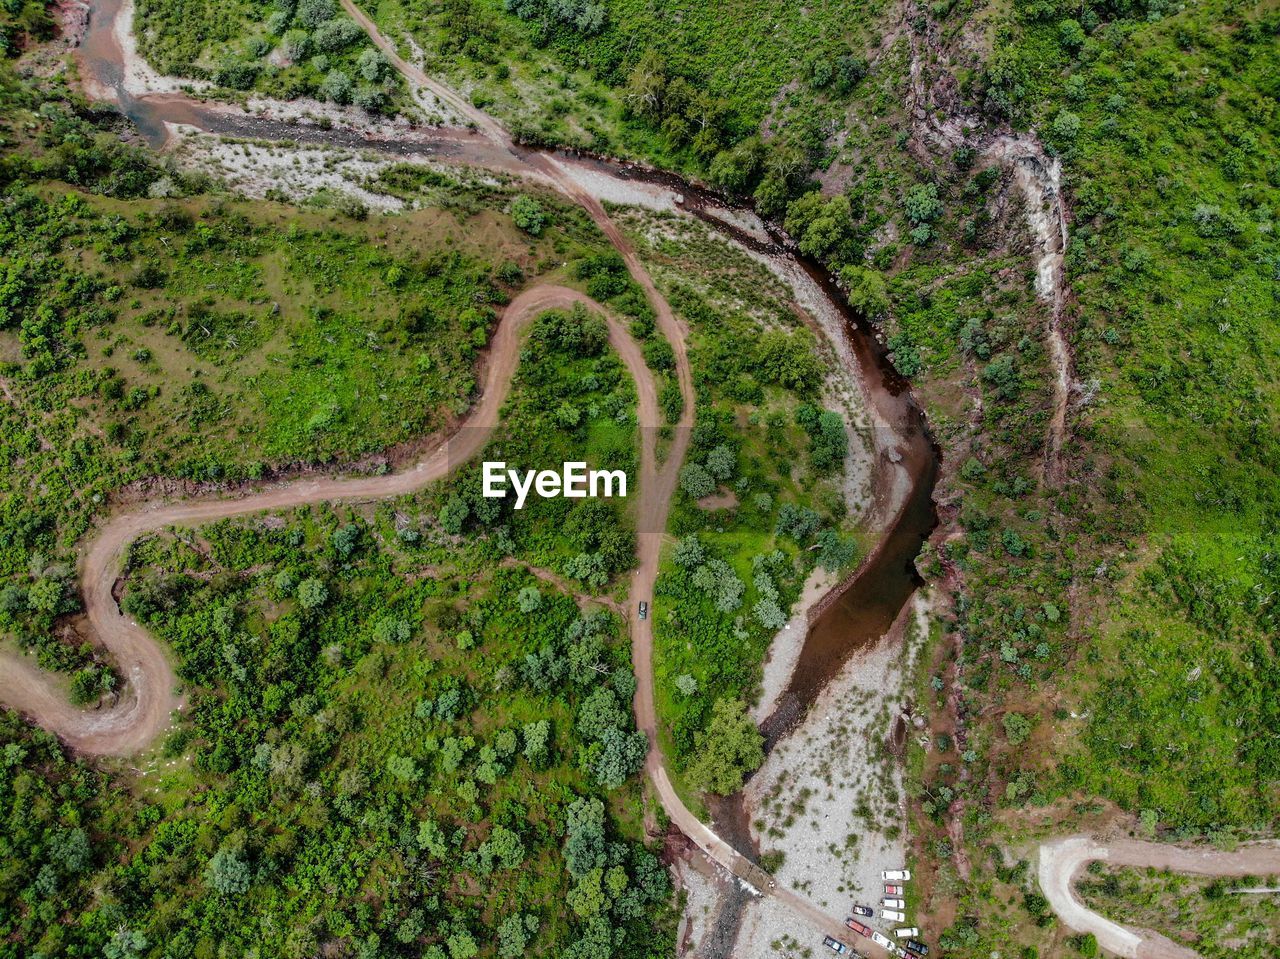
1220 924
208 339
751 63
1173 262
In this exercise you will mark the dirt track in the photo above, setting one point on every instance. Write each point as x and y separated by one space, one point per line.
1062 860
149 697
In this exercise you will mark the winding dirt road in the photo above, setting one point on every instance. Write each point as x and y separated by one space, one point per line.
1062 861
150 698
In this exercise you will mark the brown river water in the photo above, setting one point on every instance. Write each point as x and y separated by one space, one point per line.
870 599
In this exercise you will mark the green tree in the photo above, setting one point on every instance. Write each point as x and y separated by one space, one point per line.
371 64
722 462
45 595
537 739
835 552
727 750
312 593
312 13
1071 35
1066 125
584 844
336 87
125 944
528 215
1017 728
229 873
867 292
529 600
696 481
921 204
515 932
620 756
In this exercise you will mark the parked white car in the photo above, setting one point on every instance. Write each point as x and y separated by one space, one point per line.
909 932
882 940
894 903
896 875
893 916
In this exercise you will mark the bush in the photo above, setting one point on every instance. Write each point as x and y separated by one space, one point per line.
336 87
528 215
335 35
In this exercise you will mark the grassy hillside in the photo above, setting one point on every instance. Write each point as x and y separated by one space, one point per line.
437 779
1220 922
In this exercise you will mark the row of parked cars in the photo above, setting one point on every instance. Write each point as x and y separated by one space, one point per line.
892 909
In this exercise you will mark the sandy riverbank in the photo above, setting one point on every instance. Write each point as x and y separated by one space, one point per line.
829 797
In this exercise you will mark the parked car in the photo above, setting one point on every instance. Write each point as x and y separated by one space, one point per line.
893 915
835 945
909 954
863 911
858 927
885 941
915 945
892 889
896 875
894 903
907 932
644 609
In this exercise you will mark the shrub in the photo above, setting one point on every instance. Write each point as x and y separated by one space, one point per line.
528 215
336 87
312 13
